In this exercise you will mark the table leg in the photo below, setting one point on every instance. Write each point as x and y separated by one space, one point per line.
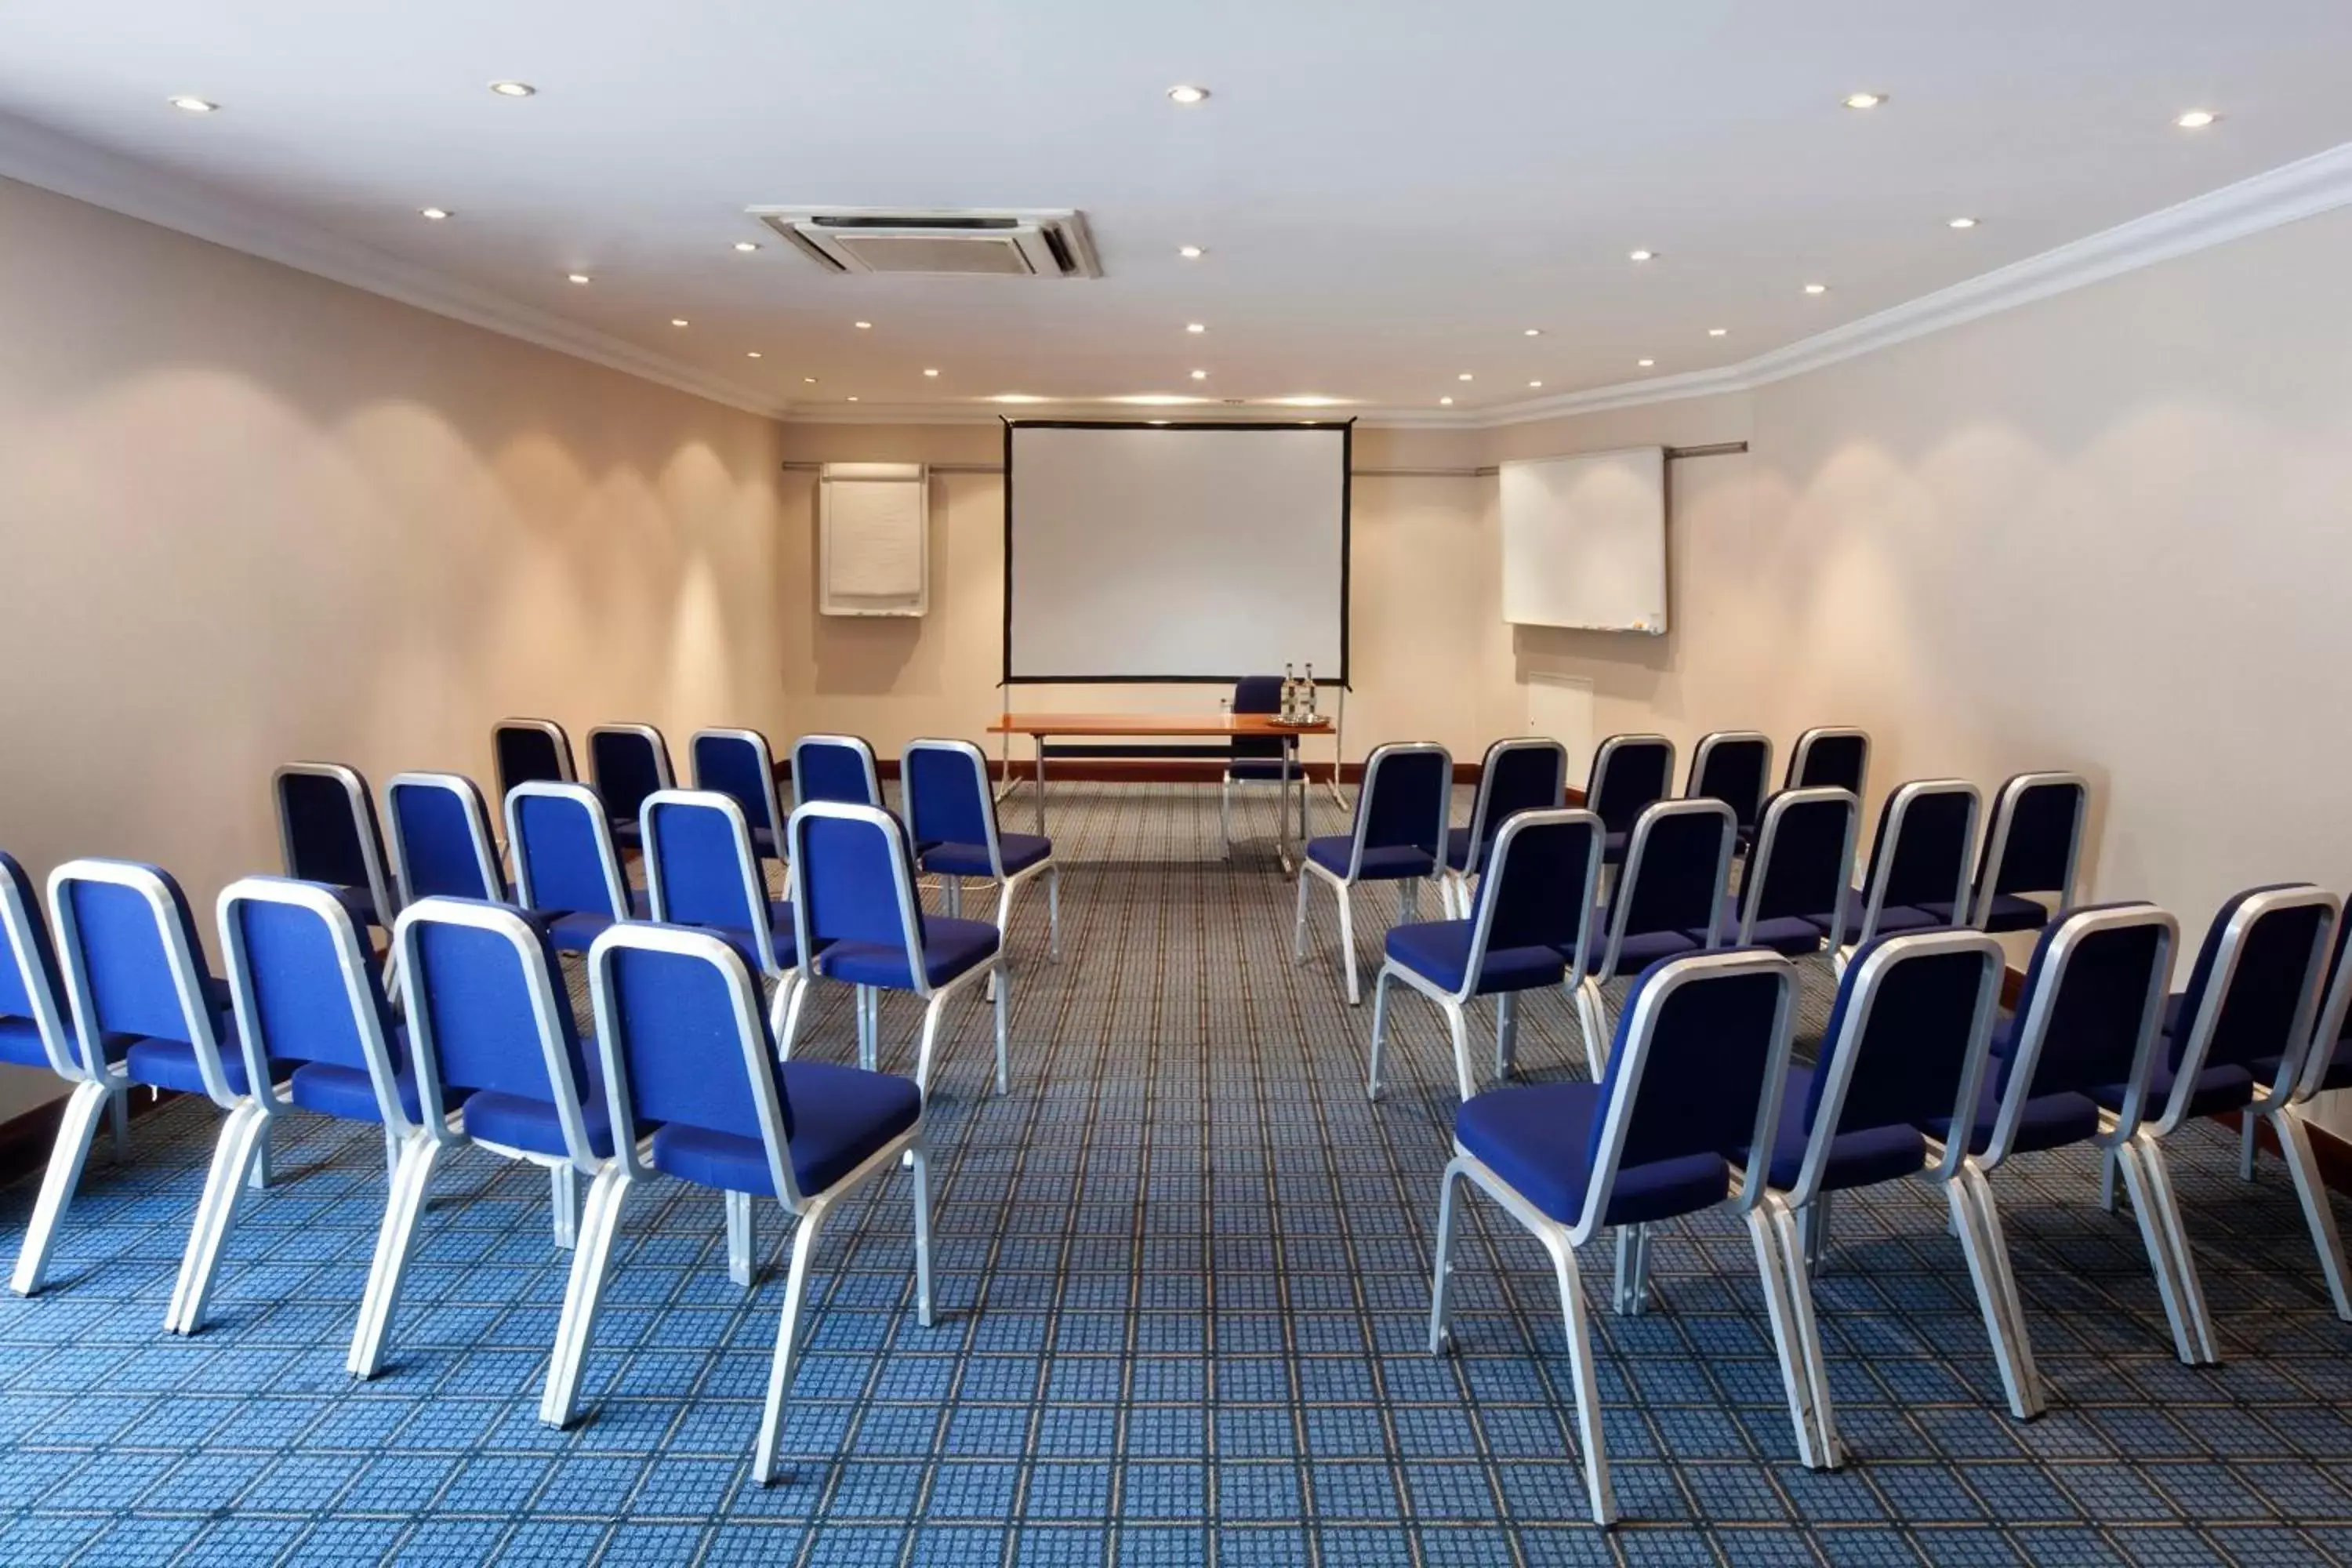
1282 814
1041 787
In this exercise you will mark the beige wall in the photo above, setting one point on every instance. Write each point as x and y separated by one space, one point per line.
247 515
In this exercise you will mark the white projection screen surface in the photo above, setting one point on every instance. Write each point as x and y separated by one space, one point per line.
1174 553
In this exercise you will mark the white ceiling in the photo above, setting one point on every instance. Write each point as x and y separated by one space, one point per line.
1389 192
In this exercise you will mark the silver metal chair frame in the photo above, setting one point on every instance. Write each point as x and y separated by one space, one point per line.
381 887
1591 1007
951 887
775 822
2004 810
854 743
1768 834
1342 886
585 800
478 827
1453 1002
1454 887
1801 753
1895 814
1767 1222
647 733
547 727
1704 752
755 884
591 1261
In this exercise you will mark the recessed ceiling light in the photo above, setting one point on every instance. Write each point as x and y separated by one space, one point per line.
1464 376
1196 327
1864 99
577 276
677 320
436 214
932 373
1716 332
2197 119
1532 332
187 105
1015 398
1817 288
808 381
1445 400
513 89
747 244
1155 422
1641 256
853 398
751 354
1190 252
1187 95
863 326
1961 223
1534 383
1645 363
1200 375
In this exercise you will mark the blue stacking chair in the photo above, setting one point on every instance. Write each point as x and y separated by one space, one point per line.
951 816
1629 772
2033 847
626 763
1669 900
494 1063
853 906
146 1012
566 869
1734 766
702 870
1696 1075
327 832
1399 837
530 750
688 1059
1527 774
1797 875
1829 757
2237 1039
1259 758
2326 1063
1528 929
35 1032
1920 857
2089 1014
441 845
837 768
737 762
311 1015
1906 1042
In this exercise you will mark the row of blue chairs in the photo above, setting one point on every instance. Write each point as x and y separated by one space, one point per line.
1699 1105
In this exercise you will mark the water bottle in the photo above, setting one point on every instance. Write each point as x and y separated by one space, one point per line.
1307 715
1289 714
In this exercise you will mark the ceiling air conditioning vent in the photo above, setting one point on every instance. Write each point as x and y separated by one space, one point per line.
988 242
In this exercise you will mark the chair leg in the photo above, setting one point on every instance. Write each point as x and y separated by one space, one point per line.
1988 1256
1813 1225
952 896
118 1122
1457 1024
242 1136
1298 926
563 1204
1443 1269
798 985
259 1178
391 1153
1507 1033
1796 1372
780 1005
2295 1140
741 1237
923 1053
1633 1287
2149 1198
1347 940
2246 1124
780 1370
1379 1032
1591 1019
1601 1494
1805 1329
1003 999
583 1295
2150 1154
1003 931
918 1166
1408 898
396 1244
2107 1180
1052 914
1225 814
84 1106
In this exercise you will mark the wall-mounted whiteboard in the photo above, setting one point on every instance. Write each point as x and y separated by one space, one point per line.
874 528
1584 542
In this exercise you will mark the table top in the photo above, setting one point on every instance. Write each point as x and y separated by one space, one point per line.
1043 724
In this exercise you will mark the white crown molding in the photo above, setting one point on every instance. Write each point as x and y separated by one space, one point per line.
38 156
1124 412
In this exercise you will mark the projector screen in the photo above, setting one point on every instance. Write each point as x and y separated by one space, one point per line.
1140 552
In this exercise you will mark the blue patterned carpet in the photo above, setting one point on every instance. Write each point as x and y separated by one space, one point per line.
1183 1281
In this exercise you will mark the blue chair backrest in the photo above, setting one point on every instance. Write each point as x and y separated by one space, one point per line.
1711 1047
1538 891
1830 759
627 764
1403 803
1928 829
441 838
305 971
2264 952
1910 1012
530 750
327 827
1675 868
1258 694
479 992
1803 856
563 849
2037 826
121 940
1734 766
1520 775
29 983
1629 771
837 768
675 1022
945 788
2096 978
849 865
737 762
695 865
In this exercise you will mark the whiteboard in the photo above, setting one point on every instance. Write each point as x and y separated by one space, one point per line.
874 533
1143 553
1584 542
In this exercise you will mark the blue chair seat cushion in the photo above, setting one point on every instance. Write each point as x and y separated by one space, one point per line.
521 1122
171 1064
1390 865
361 903
1457 850
2218 1088
627 834
20 1042
1021 851
1539 1138
2009 912
950 947
1892 918
1792 936
1640 949
1613 847
1259 769
2050 1120
1861 1157
780 932
2337 1075
349 1093
1439 950
841 1115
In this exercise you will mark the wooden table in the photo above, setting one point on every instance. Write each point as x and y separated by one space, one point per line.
1040 727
